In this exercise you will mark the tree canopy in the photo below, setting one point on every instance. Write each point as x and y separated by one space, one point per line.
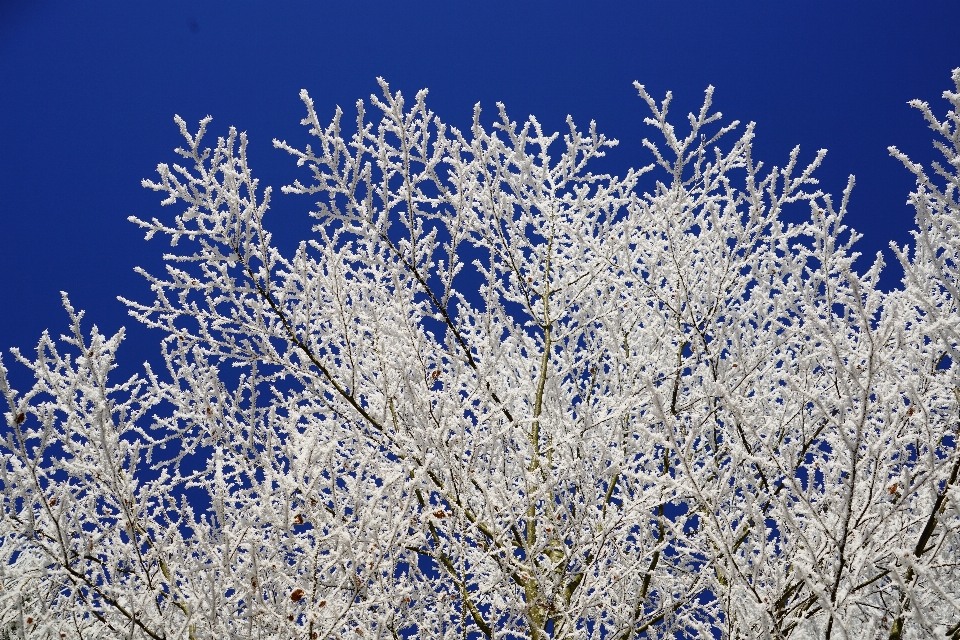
498 395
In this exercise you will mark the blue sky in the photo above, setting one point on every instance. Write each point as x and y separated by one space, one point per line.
88 91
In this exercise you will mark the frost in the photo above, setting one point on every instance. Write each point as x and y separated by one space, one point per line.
496 394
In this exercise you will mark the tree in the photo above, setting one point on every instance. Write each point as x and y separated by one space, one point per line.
496 394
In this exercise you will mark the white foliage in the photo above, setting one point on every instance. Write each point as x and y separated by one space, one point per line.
496 394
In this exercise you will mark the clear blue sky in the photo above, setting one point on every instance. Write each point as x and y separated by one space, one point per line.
88 91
